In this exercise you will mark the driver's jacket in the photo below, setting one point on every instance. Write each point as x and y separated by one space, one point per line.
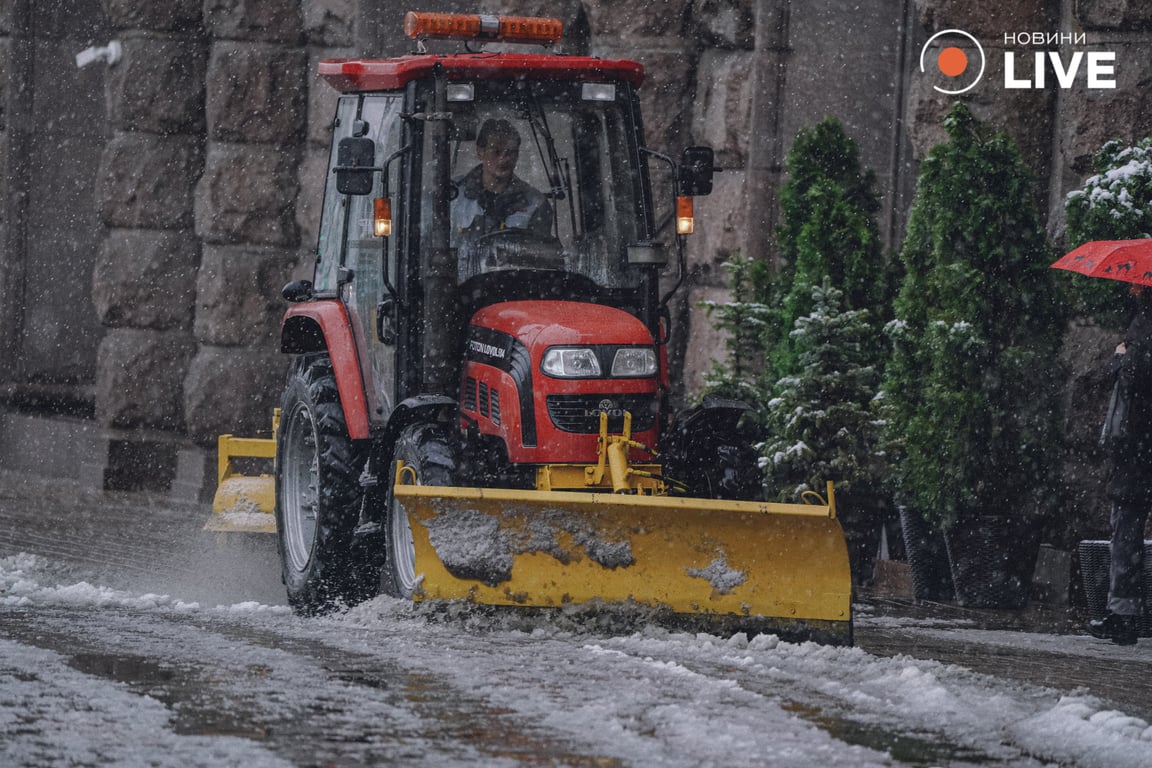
476 211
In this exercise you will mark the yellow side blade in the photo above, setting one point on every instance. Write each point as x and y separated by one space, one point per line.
243 503
731 565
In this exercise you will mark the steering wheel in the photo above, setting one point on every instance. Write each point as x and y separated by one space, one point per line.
505 233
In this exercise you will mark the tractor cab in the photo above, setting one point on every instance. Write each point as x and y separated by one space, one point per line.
464 180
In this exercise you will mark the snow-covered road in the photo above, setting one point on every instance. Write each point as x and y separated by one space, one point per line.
128 637
91 675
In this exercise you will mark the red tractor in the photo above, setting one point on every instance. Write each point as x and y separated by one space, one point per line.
478 406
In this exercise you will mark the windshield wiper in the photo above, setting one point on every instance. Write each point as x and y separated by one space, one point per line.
559 178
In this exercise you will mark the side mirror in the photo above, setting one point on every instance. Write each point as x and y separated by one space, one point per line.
696 169
355 161
297 291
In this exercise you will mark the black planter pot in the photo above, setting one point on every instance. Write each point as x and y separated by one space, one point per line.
1095 559
861 516
992 558
1095 562
927 558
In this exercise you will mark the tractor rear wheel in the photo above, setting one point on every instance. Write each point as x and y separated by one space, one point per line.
430 451
712 455
318 495
718 467
734 472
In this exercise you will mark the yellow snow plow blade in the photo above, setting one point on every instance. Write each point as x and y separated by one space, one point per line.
244 503
702 564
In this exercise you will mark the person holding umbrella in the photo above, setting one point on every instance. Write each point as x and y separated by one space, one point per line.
1127 437
1127 432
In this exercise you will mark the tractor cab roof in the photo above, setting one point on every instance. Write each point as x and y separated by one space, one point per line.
353 75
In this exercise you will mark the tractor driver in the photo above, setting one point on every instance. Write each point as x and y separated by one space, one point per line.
491 197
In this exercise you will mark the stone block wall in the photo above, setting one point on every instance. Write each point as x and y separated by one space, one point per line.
743 77
245 212
144 281
198 191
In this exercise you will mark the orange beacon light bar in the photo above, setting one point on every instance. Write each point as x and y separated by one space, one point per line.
482 26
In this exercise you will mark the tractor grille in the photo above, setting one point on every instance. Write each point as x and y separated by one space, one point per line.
469 395
479 398
581 413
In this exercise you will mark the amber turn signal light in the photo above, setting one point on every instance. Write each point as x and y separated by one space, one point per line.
685 220
382 217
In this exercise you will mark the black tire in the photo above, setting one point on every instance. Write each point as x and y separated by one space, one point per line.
709 451
731 471
318 495
430 450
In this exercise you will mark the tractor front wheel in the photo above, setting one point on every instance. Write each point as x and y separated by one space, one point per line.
318 495
429 450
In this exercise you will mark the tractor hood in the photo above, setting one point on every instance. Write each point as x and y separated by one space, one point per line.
542 374
542 324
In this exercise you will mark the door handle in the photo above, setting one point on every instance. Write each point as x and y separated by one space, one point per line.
386 322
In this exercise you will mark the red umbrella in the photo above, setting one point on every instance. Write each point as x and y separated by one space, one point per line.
1126 260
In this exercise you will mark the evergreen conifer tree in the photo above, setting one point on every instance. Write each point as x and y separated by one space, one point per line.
744 320
821 421
828 228
1113 204
972 388
823 426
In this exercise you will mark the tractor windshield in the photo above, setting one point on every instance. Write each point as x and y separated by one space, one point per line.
543 177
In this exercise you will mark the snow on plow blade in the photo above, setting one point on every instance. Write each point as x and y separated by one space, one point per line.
243 503
723 566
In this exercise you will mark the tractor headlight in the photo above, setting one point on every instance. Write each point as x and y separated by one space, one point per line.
571 363
634 361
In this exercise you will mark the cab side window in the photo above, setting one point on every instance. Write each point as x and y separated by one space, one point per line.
329 245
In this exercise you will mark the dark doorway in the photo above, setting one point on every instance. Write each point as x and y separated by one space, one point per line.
54 133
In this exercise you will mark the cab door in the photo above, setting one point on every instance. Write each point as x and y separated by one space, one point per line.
369 262
372 300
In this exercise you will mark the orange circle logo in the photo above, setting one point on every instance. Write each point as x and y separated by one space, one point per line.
952 61
958 57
